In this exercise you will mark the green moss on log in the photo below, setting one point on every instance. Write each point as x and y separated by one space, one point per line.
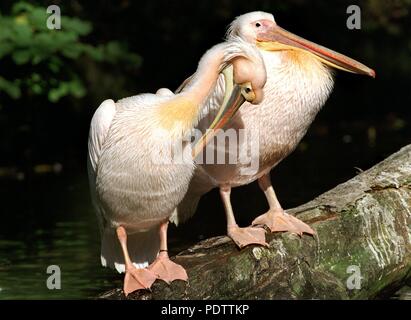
365 222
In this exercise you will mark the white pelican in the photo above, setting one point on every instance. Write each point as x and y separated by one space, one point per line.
299 80
135 186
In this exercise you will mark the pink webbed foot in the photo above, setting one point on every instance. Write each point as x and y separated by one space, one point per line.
280 221
167 270
245 236
136 279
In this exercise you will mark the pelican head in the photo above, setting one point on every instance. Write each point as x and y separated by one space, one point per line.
260 28
245 77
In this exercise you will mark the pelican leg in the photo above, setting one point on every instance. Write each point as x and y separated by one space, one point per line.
241 236
276 219
163 267
134 279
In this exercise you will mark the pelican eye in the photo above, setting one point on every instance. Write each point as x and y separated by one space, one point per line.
247 91
258 24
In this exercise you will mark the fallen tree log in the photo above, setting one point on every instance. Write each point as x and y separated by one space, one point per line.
362 248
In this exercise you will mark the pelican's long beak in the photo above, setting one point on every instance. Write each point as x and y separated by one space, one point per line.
233 99
276 38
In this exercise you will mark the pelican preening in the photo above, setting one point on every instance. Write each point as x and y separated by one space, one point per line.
134 194
299 80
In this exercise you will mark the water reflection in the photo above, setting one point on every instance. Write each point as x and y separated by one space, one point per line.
55 226
72 247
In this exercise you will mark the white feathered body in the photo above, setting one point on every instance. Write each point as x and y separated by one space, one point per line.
297 87
136 182
140 162
132 180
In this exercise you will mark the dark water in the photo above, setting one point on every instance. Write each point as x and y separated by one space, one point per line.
65 235
48 220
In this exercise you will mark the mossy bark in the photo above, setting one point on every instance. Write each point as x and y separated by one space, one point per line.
363 226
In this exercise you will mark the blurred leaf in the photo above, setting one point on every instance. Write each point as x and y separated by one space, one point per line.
21 56
6 32
22 34
38 19
54 65
37 89
77 89
25 38
21 6
11 88
5 48
96 53
71 52
74 87
56 94
76 25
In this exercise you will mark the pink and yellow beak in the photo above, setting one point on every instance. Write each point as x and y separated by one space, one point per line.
276 39
234 96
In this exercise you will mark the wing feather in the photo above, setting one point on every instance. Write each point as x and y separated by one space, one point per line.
99 127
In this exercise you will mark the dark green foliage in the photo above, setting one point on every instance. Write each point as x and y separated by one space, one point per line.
37 61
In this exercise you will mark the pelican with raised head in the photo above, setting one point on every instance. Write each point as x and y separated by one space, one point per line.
135 184
299 81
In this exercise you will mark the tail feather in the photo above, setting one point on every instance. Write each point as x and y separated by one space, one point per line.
142 247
